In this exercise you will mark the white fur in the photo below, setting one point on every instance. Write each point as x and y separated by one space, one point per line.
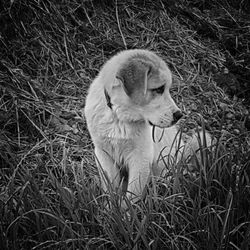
122 136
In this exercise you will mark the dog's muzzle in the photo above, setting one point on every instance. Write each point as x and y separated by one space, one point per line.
176 117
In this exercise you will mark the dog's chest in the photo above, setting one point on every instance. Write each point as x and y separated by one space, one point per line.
133 149
121 150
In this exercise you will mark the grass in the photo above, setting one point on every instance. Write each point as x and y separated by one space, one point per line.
49 197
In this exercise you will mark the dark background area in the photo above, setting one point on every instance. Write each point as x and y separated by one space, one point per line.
225 22
228 24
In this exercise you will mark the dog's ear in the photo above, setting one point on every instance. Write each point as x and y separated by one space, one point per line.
134 76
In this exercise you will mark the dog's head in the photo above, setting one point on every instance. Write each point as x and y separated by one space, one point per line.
145 79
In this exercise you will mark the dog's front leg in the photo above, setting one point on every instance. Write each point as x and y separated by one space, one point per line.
108 170
138 176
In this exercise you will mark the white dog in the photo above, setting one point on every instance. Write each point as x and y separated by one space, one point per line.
127 100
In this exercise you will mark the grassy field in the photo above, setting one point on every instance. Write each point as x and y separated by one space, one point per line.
50 53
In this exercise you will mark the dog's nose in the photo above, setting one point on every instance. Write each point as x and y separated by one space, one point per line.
177 116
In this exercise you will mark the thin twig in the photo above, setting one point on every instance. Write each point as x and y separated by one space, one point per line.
119 26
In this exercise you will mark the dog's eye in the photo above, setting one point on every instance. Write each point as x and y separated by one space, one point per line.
159 90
